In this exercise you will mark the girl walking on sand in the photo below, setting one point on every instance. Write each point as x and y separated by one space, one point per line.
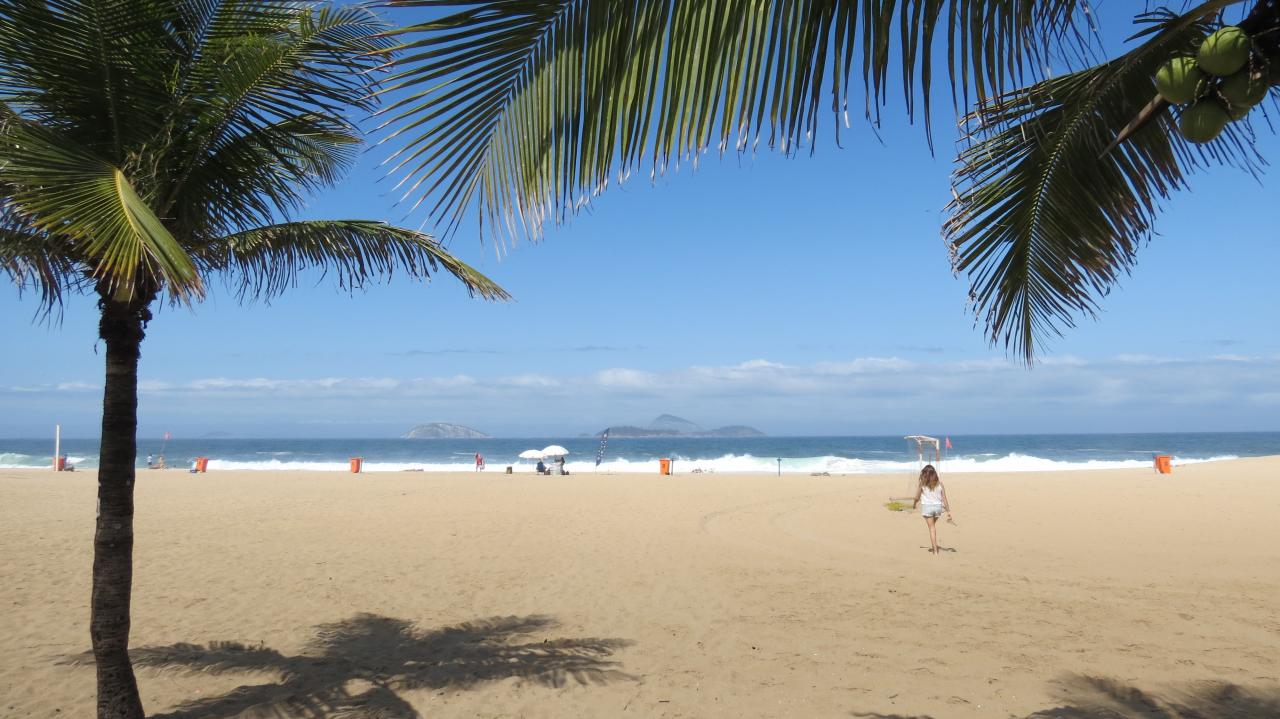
931 497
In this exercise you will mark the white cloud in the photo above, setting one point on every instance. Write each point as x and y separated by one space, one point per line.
761 364
458 381
1143 359
625 378
532 381
865 365
1061 361
866 393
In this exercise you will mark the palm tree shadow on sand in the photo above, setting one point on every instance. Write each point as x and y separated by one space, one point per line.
358 668
1090 697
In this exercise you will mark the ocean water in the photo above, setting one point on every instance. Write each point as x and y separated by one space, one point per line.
836 455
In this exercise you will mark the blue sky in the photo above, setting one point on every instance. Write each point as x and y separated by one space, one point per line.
810 295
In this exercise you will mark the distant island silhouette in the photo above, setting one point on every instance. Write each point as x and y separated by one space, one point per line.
444 430
669 425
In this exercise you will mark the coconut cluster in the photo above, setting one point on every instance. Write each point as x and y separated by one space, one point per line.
1221 83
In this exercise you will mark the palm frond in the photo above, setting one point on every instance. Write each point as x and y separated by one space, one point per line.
59 188
525 111
264 262
280 68
91 64
1043 222
258 173
38 263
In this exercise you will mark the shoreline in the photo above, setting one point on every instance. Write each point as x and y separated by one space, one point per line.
801 455
494 469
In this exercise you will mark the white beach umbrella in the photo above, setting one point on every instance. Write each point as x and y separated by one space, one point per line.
554 450
531 454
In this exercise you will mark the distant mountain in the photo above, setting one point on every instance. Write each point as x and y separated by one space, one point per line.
625 431
735 430
444 430
674 423
672 426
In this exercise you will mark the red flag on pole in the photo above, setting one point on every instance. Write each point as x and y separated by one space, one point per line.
948 443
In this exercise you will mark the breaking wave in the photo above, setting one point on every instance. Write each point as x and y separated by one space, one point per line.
727 464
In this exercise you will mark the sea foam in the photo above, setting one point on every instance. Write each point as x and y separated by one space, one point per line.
17 460
727 464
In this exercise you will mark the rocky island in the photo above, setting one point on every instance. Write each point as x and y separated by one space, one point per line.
668 425
444 430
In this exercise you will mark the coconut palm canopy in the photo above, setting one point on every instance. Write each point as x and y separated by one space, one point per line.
521 113
147 146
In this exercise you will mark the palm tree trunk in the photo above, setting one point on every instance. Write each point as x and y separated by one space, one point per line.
122 329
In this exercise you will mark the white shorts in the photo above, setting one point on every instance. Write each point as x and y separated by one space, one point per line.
931 510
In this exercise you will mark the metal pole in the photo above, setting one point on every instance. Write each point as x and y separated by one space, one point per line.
57 445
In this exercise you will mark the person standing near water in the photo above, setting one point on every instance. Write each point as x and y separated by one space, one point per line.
479 461
931 497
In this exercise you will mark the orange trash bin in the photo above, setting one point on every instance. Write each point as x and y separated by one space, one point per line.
664 466
202 464
59 464
1164 464
357 463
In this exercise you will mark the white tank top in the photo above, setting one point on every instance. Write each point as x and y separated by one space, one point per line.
931 496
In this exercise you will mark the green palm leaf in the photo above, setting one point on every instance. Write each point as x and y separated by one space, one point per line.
1044 221
281 70
524 111
39 263
82 59
253 174
63 189
265 261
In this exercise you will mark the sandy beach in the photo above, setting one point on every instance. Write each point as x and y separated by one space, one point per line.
292 594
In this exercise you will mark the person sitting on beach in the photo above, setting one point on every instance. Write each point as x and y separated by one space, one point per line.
151 462
931 496
542 468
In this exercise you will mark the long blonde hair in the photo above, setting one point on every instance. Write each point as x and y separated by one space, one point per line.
929 477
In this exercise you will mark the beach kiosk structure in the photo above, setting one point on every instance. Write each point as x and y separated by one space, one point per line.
927 450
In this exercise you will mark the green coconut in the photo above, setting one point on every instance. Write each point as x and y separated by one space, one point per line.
1238 112
1203 121
1244 89
1178 80
1224 52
